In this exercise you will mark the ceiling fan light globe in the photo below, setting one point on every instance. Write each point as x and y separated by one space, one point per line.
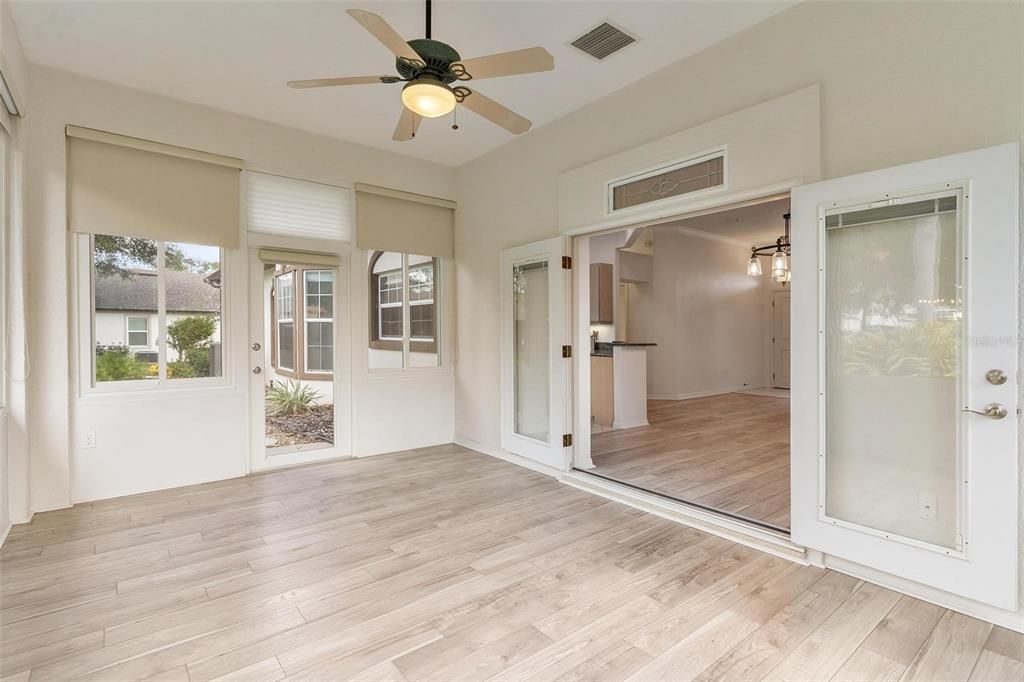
429 99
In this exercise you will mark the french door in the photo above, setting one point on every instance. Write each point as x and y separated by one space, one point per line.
904 372
535 377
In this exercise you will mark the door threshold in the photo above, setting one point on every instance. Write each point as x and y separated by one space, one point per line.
743 532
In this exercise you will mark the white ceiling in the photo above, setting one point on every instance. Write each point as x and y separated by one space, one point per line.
757 224
237 55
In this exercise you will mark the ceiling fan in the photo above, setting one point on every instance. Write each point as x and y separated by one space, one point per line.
429 68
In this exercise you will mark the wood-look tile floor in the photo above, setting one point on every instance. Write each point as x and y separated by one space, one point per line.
443 564
729 452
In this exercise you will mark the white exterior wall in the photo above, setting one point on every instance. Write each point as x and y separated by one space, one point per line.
112 328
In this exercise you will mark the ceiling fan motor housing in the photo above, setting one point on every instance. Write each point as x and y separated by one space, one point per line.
437 59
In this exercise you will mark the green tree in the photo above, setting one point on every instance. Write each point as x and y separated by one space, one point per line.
191 333
120 255
117 364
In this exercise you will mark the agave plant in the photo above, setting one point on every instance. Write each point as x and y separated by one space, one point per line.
290 398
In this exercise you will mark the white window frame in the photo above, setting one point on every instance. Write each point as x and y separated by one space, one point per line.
307 320
129 331
441 315
425 301
278 321
85 322
380 306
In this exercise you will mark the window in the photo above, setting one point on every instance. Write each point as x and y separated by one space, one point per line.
319 320
138 332
688 176
403 312
156 310
303 321
285 303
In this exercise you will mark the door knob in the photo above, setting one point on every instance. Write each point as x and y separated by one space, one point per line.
257 370
996 377
993 410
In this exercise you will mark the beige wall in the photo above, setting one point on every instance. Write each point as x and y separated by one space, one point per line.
709 318
60 98
900 82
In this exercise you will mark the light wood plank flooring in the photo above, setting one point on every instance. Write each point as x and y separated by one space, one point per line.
728 452
443 564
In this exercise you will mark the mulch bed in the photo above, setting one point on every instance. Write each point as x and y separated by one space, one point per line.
314 426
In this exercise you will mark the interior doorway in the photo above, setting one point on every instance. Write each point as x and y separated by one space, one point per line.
689 360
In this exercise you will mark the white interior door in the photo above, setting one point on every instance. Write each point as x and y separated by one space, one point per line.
535 376
780 339
904 330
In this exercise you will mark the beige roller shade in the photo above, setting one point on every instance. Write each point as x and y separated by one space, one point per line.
137 188
391 220
298 258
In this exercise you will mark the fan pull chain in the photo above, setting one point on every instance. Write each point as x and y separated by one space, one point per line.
455 118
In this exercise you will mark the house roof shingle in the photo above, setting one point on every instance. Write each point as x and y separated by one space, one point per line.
187 292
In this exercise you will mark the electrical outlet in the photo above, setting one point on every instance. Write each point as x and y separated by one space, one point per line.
89 439
926 505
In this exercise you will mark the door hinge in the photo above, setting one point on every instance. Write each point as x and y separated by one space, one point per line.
567 440
567 262
566 351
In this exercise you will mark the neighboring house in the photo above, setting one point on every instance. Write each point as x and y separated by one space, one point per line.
126 307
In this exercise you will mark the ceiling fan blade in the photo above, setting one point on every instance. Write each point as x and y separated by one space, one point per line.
383 32
328 82
496 113
530 60
408 124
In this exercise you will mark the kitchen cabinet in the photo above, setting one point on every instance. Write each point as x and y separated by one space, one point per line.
602 294
602 400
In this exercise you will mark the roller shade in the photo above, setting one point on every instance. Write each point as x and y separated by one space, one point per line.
286 257
297 208
137 188
391 220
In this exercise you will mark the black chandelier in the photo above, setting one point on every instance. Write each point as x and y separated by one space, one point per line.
778 252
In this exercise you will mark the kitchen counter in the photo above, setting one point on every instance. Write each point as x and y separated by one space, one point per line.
619 384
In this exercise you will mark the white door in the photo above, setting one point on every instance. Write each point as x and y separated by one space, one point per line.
904 330
780 339
535 376
298 352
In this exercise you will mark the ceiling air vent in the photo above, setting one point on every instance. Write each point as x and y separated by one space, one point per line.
603 41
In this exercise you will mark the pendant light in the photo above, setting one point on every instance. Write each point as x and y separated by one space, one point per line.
780 266
780 272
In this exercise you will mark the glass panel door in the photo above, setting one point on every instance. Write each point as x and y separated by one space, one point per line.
532 333
894 311
534 371
904 374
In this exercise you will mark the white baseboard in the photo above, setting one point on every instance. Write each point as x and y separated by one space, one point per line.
1008 619
507 456
630 425
696 394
